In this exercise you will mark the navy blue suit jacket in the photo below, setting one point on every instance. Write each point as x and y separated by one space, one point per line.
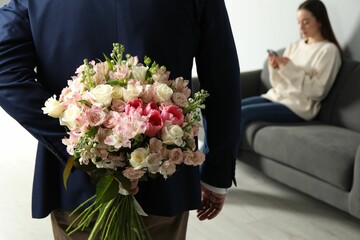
42 42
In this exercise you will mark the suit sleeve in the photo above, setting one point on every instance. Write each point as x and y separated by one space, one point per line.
21 96
218 72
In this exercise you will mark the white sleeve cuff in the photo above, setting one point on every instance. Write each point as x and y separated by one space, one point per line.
214 189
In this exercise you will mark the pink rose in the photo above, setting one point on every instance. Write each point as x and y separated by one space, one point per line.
95 116
118 105
188 157
179 99
199 158
174 114
112 119
132 174
175 156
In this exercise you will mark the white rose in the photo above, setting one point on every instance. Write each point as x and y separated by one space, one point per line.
53 108
164 92
117 92
172 134
69 116
132 91
102 94
137 158
139 72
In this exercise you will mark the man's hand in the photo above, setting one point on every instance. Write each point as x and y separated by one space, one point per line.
212 204
134 188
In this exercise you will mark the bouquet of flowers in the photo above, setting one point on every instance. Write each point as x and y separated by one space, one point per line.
126 121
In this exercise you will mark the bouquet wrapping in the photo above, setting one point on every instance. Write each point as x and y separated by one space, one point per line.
126 121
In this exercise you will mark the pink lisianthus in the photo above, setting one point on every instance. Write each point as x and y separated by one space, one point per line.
173 114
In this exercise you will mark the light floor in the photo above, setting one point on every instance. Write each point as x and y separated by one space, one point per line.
258 209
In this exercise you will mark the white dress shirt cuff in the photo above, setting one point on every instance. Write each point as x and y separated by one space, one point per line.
214 189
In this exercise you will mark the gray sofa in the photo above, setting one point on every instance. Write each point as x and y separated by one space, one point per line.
320 157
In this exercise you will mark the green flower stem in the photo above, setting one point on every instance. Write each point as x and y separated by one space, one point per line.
100 220
82 214
110 220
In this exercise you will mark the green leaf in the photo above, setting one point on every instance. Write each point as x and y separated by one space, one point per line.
106 189
67 170
125 182
110 64
86 103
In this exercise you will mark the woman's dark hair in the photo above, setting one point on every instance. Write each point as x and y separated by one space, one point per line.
318 10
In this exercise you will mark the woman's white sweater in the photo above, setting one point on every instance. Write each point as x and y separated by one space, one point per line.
306 79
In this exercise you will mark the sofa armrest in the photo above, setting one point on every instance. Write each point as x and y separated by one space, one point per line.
250 83
354 196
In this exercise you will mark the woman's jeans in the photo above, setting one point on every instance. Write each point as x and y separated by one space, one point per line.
260 109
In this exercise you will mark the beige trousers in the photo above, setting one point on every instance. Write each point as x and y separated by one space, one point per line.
160 228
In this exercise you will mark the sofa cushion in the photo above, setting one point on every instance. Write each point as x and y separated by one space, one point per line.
323 151
342 105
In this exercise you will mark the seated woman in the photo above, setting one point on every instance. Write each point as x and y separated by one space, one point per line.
303 76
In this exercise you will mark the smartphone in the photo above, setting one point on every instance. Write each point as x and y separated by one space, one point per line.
272 52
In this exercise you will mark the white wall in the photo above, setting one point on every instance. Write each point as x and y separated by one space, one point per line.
262 24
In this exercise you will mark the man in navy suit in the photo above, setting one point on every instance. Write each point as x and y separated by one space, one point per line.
42 42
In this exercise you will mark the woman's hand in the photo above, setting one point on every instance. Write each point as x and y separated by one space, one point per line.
212 203
277 61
